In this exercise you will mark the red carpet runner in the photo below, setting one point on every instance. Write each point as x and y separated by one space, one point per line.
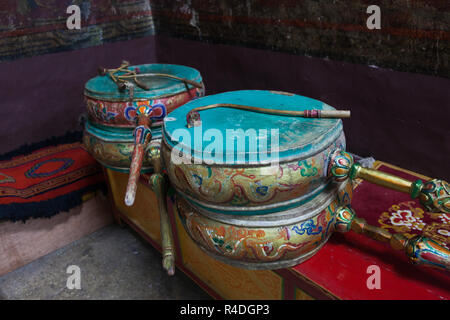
340 267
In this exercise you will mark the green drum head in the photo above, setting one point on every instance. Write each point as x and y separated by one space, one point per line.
233 136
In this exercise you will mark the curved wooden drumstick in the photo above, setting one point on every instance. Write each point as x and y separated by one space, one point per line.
150 74
159 186
434 194
193 117
142 135
419 249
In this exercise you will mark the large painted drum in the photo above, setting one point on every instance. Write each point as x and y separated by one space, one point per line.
245 147
262 179
252 188
134 98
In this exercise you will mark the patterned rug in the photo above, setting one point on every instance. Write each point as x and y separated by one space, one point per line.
396 211
47 181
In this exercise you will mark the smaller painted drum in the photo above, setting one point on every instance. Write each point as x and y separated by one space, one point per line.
113 147
110 106
135 98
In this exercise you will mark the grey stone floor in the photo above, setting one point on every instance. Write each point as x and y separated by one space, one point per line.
115 263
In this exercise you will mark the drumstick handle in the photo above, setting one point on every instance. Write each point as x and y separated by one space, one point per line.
419 249
142 135
382 179
434 194
159 186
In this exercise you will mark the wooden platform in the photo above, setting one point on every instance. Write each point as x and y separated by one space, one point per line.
218 279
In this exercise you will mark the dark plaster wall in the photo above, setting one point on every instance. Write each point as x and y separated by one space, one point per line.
398 117
414 35
31 27
42 96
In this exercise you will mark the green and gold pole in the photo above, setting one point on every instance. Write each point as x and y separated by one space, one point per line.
434 194
158 184
419 249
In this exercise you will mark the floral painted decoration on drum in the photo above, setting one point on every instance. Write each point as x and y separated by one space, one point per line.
275 245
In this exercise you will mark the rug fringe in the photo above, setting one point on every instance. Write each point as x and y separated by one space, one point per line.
48 208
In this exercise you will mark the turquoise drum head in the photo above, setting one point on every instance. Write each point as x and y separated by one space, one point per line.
262 136
104 88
